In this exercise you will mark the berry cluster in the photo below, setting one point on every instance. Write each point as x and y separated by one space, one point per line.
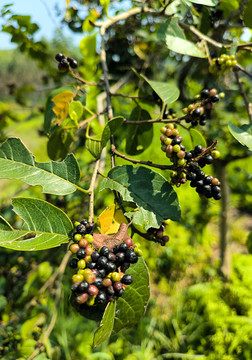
197 111
171 144
159 234
205 184
65 62
101 274
169 113
224 62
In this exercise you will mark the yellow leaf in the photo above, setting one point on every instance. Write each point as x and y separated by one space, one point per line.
68 3
110 220
61 107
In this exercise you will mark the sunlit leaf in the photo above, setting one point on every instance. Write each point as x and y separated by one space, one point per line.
110 219
243 134
61 107
106 326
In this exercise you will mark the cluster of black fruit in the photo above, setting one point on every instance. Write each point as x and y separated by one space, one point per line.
65 62
159 234
100 277
197 111
205 184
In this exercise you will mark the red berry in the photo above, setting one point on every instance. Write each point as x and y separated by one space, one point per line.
92 290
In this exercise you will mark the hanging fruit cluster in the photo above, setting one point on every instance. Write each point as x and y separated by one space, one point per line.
199 111
100 276
223 63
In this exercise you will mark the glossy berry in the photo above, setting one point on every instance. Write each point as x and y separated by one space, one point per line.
198 149
83 286
127 279
72 62
73 263
216 189
131 257
204 94
196 113
110 267
125 266
188 155
110 290
215 98
200 175
95 256
96 272
74 248
81 253
104 251
111 257
208 159
123 247
81 299
117 286
59 57
120 293
102 273
128 242
81 229
116 249
102 261
191 176
98 282
92 290
83 243
202 162
91 265
75 287
207 180
107 282
115 276
217 196
101 297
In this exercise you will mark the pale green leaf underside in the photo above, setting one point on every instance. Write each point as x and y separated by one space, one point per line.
16 162
183 46
205 2
131 307
47 226
106 326
4 225
152 193
168 92
242 134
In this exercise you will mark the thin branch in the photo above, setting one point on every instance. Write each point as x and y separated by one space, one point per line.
91 191
239 67
243 94
201 36
80 79
152 121
135 161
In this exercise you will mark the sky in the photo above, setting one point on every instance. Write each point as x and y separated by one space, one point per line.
43 13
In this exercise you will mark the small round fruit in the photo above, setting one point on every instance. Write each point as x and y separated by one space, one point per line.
110 290
181 162
175 132
215 98
204 94
77 237
128 242
120 293
127 279
176 148
215 181
117 286
123 247
217 196
90 301
89 238
91 265
165 238
90 278
110 267
163 129
73 63
104 251
81 229
181 154
81 253
83 286
102 273
88 259
138 251
89 250
101 298
83 243
120 257
77 278
93 290
102 261
59 56
131 257
98 282
96 272
74 248
81 299
212 92
215 154
208 159
81 264
73 263
207 180
115 276
95 256
106 282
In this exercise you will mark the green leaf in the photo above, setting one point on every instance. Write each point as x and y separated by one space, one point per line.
16 162
59 143
49 114
197 138
228 6
205 2
155 197
47 226
106 326
175 39
247 18
95 146
167 91
88 47
4 225
105 4
132 305
139 137
75 110
242 134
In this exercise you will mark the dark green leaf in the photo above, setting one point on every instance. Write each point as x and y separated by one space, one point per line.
95 146
197 138
139 137
59 143
167 91
106 326
49 114
242 134
247 18
16 162
155 197
175 39
47 226
132 305
4 225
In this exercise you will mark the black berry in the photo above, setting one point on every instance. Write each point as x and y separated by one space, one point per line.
81 254
127 279
73 263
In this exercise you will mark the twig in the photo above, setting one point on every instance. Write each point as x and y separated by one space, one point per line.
239 67
201 36
135 161
243 94
152 121
91 83
91 191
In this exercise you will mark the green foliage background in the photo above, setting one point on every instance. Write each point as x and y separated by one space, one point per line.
192 313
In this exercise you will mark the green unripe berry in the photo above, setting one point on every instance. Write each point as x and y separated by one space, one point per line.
176 148
173 174
76 223
81 264
185 110
234 62
77 278
232 57
229 63
115 276
221 95
138 251
168 141
170 126
163 129
181 162
89 238
90 301
163 147
182 175
77 237
215 154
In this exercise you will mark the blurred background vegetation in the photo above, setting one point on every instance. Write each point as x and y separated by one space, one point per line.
201 293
